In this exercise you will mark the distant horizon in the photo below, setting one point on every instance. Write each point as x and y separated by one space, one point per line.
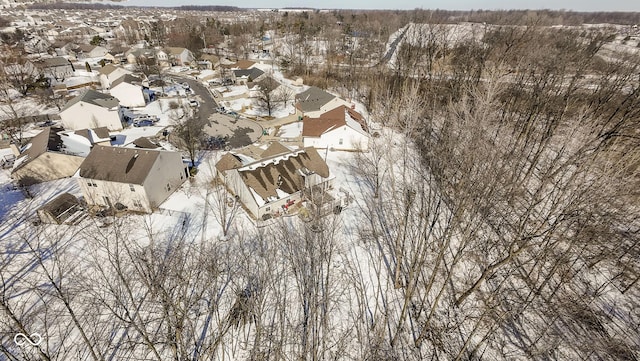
454 5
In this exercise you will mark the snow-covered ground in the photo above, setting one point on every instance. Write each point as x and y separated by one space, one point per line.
128 135
292 130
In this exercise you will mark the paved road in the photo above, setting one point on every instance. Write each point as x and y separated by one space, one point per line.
240 131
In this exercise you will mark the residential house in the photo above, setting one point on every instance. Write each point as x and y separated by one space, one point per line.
140 55
128 90
135 179
315 101
180 56
45 158
57 68
341 129
80 142
241 64
274 180
64 48
244 76
109 73
84 51
116 55
91 109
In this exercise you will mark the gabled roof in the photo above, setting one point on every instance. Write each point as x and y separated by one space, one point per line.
47 140
137 52
279 170
118 164
227 162
127 78
335 118
54 62
240 64
175 50
108 69
95 135
93 97
284 172
87 48
144 142
313 99
274 149
243 64
253 73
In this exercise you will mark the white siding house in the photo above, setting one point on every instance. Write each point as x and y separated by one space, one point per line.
180 56
315 101
128 90
109 73
341 129
135 179
91 109
270 185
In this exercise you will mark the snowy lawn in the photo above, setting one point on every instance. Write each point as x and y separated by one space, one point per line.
292 130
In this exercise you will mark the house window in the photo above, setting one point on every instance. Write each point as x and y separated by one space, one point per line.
340 141
168 187
132 188
137 203
91 183
267 209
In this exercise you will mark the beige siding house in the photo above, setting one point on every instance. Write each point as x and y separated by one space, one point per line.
45 159
91 109
135 179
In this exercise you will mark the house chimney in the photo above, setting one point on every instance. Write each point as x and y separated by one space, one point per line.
14 149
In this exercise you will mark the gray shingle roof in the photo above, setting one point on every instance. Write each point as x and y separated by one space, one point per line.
127 78
313 99
108 69
117 164
55 62
93 97
254 73
47 140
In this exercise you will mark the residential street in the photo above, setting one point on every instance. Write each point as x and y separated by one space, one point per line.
240 131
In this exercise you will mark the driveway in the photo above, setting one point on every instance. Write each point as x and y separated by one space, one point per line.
240 131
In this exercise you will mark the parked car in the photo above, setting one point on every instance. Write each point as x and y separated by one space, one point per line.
185 85
194 103
143 123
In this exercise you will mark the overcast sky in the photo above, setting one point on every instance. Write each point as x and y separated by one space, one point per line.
578 5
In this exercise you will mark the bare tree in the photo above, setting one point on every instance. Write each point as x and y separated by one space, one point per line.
188 133
267 99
